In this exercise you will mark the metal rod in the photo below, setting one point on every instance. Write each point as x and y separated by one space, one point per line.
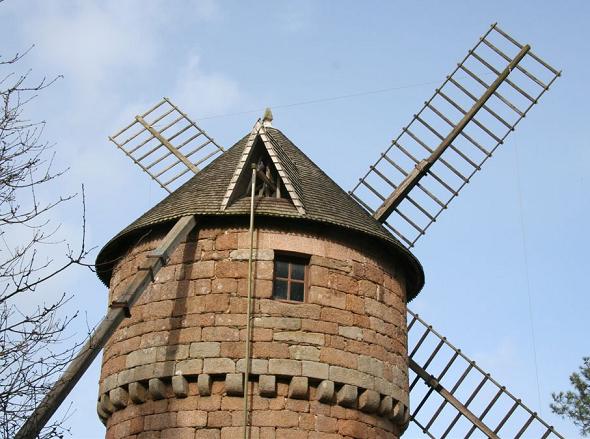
498 95
475 121
249 309
443 161
486 410
452 125
485 107
519 67
508 81
473 365
64 385
508 414
463 410
406 186
399 234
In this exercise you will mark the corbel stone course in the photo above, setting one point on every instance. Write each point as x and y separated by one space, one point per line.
346 396
298 388
119 397
369 401
137 392
234 384
204 384
267 386
325 391
157 388
180 386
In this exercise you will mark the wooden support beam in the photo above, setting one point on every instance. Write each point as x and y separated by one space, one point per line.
448 396
116 314
266 180
394 200
167 144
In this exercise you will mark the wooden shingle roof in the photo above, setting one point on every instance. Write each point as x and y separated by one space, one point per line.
323 201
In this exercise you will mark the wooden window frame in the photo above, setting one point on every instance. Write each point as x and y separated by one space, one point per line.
291 259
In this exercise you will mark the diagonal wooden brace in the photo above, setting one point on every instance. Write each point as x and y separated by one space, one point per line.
434 384
116 314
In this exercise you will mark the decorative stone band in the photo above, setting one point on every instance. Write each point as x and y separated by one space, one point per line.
327 391
365 379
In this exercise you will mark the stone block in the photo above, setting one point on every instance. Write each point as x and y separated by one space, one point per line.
205 349
293 324
386 406
234 384
124 377
119 397
370 365
304 353
325 391
189 367
398 413
369 401
137 392
258 366
330 263
353 332
219 365
204 384
384 386
267 386
259 254
157 388
164 369
298 388
314 369
110 382
176 352
143 373
346 396
327 297
300 337
180 386
350 376
106 404
284 367
102 415
141 357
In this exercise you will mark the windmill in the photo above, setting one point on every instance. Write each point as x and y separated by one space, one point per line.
478 105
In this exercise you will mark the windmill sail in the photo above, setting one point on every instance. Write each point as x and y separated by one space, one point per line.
475 109
166 144
456 398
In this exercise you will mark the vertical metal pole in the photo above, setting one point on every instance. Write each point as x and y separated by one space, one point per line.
249 310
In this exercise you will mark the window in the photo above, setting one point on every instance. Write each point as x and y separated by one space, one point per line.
289 278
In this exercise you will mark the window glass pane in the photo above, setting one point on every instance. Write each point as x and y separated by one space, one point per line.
280 289
297 291
297 271
281 269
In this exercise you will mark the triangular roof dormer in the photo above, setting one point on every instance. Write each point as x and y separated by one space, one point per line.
278 176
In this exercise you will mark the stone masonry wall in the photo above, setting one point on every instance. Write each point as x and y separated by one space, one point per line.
332 367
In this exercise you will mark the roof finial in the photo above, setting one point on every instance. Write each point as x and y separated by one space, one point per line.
267 118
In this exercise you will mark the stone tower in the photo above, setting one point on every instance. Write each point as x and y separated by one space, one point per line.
328 342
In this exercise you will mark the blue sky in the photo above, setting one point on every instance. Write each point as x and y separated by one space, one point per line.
518 230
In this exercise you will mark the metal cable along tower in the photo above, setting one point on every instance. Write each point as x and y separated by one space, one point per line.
445 143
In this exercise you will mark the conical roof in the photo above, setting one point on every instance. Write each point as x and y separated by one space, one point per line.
313 196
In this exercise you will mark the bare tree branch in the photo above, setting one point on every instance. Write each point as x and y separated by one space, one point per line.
33 347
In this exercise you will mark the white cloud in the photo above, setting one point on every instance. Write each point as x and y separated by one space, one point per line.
204 93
